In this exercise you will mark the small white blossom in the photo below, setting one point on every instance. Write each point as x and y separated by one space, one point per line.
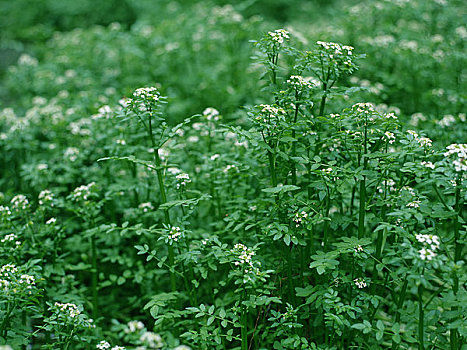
152 340
134 326
358 249
279 35
426 254
175 234
68 309
103 345
299 217
211 114
360 282
428 164
46 197
146 206
182 180
51 221
414 204
71 153
19 202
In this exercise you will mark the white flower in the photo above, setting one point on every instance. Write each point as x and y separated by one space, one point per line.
69 309
51 221
71 153
84 192
360 282
428 164
46 196
460 163
414 204
153 340
299 82
182 347
299 217
42 167
426 254
19 202
279 35
146 206
211 113
134 326
358 249
175 233
103 345
390 136
182 180
4 210
229 167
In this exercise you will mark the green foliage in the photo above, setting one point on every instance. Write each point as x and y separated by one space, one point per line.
291 216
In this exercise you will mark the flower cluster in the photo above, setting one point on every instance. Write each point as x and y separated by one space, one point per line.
134 326
174 234
428 164
299 217
84 192
358 249
145 99
360 282
19 202
68 309
182 180
71 153
364 107
4 211
243 258
460 163
422 141
279 36
104 345
335 53
389 184
211 114
46 197
414 204
12 280
269 116
146 207
430 245
390 137
10 238
152 340
299 83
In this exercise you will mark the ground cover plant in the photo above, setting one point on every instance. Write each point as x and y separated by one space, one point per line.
236 186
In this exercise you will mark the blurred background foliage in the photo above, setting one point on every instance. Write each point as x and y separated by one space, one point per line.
199 51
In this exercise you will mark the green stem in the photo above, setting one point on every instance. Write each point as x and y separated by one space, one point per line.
361 211
323 100
454 335
160 179
272 169
244 329
421 316
95 300
400 302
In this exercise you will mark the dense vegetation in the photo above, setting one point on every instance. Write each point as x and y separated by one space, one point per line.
189 176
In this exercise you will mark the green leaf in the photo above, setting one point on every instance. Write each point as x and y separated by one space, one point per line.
281 189
210 320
